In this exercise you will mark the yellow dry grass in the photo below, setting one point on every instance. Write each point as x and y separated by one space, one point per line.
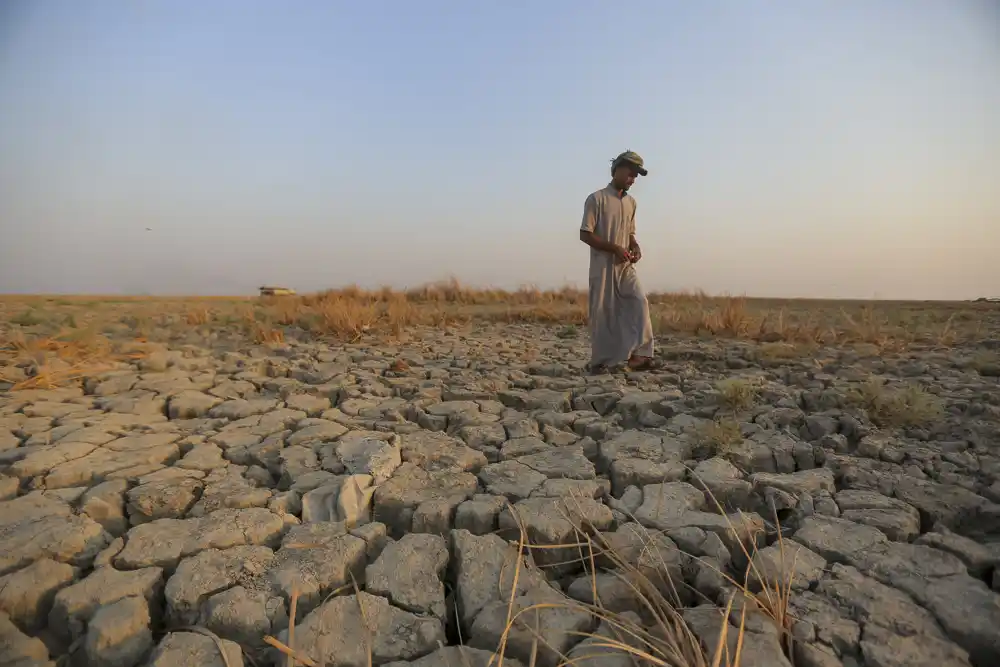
736 394
46 362
720 436
782 328
900 407
666 640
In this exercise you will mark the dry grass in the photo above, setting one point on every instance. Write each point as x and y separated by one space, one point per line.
350 313
719 437
198 316
736 394
293 657
664 637
899 407
778 352
986 363
783 329
45 362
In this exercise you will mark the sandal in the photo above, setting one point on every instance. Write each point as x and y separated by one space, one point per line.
643 364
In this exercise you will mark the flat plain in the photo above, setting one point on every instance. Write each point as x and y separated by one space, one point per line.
432 477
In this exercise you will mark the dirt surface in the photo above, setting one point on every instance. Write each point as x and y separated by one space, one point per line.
177 464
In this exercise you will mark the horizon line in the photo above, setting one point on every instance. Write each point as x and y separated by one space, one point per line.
651 293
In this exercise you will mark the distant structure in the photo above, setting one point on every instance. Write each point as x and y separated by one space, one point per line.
988 299
277 291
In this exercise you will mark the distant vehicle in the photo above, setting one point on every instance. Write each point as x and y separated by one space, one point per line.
277 291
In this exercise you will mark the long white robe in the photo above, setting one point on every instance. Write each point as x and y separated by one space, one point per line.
619 319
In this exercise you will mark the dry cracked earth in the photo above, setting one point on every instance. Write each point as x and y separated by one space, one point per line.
385 489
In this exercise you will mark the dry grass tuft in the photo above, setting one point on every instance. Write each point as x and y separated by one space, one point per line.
907 406
199 316
27 318
47 362
736 394
780 351
986 364
719 436
663 637
263 333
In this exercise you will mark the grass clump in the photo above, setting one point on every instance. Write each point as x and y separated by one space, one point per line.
907 406
668 630
736 394
47 362
198 316
27 318
782 351
570 331
986 364
718 437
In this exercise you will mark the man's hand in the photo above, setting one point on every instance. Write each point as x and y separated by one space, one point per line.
635 250
622 254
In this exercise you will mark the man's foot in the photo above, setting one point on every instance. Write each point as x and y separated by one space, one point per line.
599 369
642 364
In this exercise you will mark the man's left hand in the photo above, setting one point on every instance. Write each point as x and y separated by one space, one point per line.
636 252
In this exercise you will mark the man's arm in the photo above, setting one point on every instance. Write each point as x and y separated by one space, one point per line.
633 244
588 226
594 241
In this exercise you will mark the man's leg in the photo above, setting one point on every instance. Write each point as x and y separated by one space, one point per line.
593 310
642 355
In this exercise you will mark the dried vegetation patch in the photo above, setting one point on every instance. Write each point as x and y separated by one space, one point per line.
900 406
47 340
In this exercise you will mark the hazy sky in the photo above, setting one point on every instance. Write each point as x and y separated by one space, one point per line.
814 148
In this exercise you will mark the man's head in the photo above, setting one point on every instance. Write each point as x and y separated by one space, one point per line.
625 168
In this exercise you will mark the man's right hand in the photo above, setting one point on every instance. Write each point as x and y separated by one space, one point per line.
622 254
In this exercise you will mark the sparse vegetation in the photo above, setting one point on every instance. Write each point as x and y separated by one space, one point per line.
198 316
352 311
781 351
899 407
34 362
736 394
570 331
782 329
27 318
702 602
986 364
661 634
719 436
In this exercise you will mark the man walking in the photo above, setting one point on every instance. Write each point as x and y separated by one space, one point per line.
620 327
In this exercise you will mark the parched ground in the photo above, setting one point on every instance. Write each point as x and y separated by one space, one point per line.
405 473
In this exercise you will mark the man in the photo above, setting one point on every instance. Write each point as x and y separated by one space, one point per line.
620 326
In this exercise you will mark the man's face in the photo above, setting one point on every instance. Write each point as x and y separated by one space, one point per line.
625 175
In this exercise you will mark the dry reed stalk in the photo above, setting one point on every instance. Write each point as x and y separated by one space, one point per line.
670 644
291 655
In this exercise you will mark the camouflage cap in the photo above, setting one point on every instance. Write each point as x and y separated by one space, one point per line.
632 158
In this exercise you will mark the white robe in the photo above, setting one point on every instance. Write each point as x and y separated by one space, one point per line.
620 324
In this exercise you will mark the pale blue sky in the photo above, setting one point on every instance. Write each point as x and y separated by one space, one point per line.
807 148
